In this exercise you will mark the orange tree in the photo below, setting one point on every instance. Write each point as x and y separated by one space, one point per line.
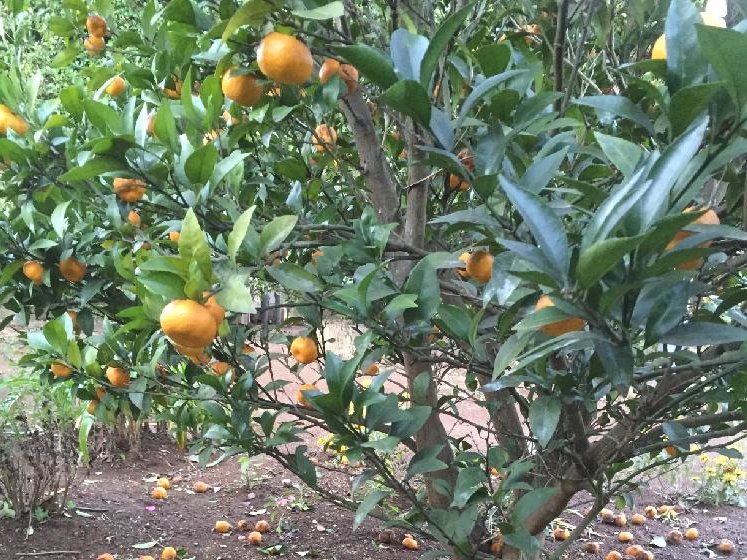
520 210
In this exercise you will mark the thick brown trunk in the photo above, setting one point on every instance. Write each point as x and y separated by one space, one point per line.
374 167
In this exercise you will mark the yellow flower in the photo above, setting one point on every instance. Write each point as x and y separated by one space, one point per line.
739 473
710 470
704 458
730 478
721 460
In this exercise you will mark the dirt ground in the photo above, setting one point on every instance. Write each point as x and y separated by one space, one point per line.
114 512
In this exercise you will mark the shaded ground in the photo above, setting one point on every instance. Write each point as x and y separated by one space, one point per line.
122 514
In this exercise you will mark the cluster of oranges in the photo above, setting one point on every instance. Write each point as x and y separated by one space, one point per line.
71 269
255 533
192 325
96 27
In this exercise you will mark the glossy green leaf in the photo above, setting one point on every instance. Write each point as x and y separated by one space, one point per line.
622 154
409 97
617 106
599 258
295 278
200 164
238 233
370 62
700 334
367 505
544 415
327 11
440 42
688 102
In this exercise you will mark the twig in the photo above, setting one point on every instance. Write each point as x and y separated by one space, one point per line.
49 553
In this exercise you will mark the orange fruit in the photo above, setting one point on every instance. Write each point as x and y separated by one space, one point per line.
197 355
116 87
105 556
303 349
100 393
456 182
175 93
410 543
34 271
496 545
284 59
558 327
241 88
134 218
725 546
254 538
620 520
262 526
709 218
480 266
150 126
188 323
671 450
61 370
301 397
692 534
216 310
159 493
168 553
163 483
247 349
91 408
129 190
73 314
462 272
650 512
222 527
561 534
613 555
659 50
592 547
220 368
638 519
174 236
607 515
96 26
324 138
625 536
315 255
373 369
72 269
675 536
346 72
665 509
634 550
200 487
118 377
94 45
8 119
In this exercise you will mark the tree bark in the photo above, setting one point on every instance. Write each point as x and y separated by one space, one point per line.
375 169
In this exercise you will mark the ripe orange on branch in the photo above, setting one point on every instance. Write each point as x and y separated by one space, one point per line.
301 397
72 269
61 370
118 377
708 218
129 190
116 87
324 138
94 45
558 327
284 59
10 120
480 266
303 349
241 88
188 323
34 271
96 25
346 72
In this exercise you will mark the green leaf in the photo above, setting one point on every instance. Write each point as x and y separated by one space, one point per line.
724 49
543 222
602 256
508 352
485 87
65 56
542 170
305 470
493 59
58 220
368 503
328 11
252 12
529 503
238 233
701 334
409 98
469 480
407 52
423 281
166 284
274 233
103 117
193 246
426 460
618 106
92 168
688 103
398 305
200 164
622 154
685 63
544 415
370 62
226 165
165 127
617 361
235 295
440 43
293 277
